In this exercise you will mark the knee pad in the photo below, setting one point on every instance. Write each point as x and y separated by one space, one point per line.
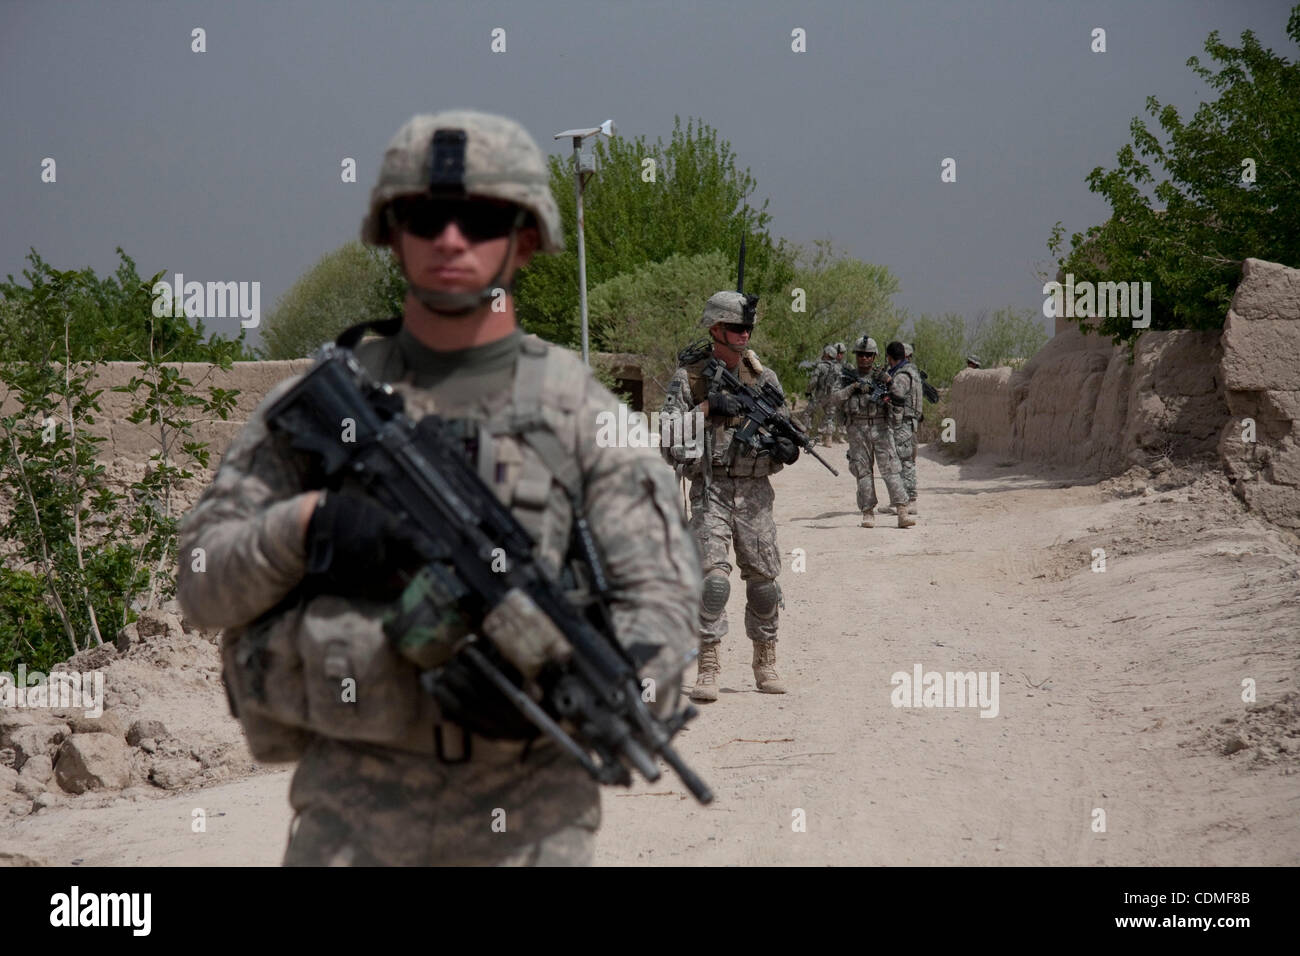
717 588
763 597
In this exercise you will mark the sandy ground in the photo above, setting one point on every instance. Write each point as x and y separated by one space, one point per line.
1121 736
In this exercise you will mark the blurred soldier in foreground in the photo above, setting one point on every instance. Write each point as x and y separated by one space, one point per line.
302 577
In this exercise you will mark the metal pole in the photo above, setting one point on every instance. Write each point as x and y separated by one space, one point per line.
582 250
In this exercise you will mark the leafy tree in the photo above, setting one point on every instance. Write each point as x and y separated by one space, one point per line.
109 319
696 204
842 298
1228 181
654 311
938 346
1008 336
354 283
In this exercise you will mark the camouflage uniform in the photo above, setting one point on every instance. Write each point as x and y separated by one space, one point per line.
904 413
822 382
871 445
385 779
918 409
836 412
731 507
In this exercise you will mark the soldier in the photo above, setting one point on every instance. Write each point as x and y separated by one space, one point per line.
909 471
904 412
837 412
805 413
300 578
731 496
972 361
823 380
871 439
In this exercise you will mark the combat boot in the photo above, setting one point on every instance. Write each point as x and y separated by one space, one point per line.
868 519
903 520
765 668
706 680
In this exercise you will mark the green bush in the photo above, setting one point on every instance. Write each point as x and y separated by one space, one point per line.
654 311
1008 337
110 319
939 347
352 284
87 558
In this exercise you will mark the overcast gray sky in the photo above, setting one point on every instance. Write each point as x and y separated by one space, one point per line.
224 165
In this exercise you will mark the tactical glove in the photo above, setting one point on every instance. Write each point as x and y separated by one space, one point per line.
723 405
465 694
355 548
785 451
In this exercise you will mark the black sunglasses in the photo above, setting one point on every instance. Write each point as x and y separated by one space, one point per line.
736 328
478 221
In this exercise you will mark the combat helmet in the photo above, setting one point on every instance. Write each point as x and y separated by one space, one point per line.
732 307
866 344
458 154
829 351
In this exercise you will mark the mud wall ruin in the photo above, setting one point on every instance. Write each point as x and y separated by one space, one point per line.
1079 403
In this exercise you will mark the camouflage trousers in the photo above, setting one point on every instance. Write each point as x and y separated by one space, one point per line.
905 445
871 446
737 513
819 417
361 805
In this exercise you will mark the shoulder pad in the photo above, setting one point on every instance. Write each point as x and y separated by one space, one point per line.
549 376
533 345
379 357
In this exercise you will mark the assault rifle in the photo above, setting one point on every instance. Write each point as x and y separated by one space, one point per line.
877 391
761 409
422 476
929 391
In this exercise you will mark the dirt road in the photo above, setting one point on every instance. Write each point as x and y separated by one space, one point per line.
1119 696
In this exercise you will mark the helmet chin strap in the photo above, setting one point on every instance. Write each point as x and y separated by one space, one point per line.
456 304
737 350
